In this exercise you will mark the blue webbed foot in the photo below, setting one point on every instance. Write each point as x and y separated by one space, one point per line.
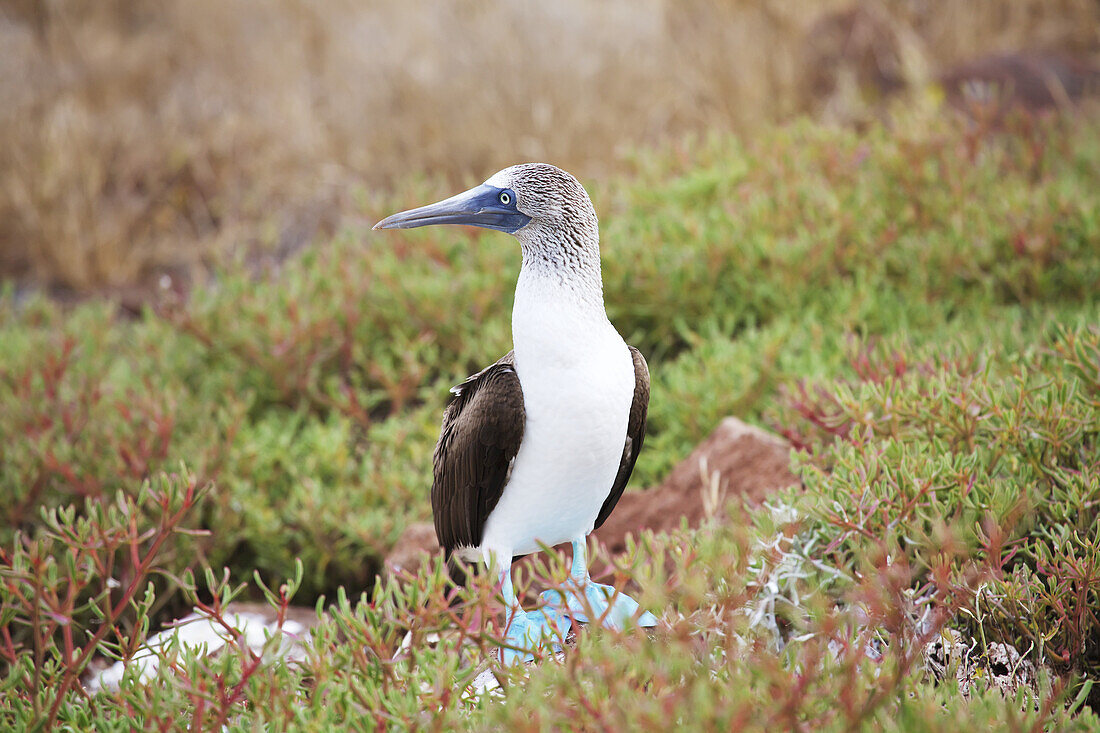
545 628
585 600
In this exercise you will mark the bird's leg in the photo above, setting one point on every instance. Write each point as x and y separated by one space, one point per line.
527 632
585 600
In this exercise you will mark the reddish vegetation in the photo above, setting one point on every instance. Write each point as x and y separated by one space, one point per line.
812 414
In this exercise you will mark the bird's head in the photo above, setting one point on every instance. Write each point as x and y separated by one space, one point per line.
533 201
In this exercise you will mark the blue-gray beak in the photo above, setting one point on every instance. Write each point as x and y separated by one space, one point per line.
482 206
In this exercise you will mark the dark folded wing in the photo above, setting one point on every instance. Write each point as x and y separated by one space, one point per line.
635 435
481 433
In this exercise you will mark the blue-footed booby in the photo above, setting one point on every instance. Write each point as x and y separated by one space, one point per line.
537 448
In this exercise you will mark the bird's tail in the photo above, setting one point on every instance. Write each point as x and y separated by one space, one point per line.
459 571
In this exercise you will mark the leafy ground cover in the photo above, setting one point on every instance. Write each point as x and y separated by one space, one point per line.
915 308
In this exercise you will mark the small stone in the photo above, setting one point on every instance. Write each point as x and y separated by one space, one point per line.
415 545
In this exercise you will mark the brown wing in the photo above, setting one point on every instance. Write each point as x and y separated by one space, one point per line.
481 433
635 435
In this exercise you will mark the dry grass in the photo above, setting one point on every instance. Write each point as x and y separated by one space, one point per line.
136 138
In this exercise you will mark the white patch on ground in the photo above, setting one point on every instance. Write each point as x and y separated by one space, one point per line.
200 632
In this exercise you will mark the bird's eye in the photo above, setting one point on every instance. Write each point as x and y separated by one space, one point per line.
505 198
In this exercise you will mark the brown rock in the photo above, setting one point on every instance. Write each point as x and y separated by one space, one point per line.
1027 80
413 547
736 461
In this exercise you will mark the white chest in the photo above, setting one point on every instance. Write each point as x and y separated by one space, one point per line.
577 377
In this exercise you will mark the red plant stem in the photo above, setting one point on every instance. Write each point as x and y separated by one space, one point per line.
789 712
200 708
72 670
37 635
1046 711
9 647
908 506
597 716
236 694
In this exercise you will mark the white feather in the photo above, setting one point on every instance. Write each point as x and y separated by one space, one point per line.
577 377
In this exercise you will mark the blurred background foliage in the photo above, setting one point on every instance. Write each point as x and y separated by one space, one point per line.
139 139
